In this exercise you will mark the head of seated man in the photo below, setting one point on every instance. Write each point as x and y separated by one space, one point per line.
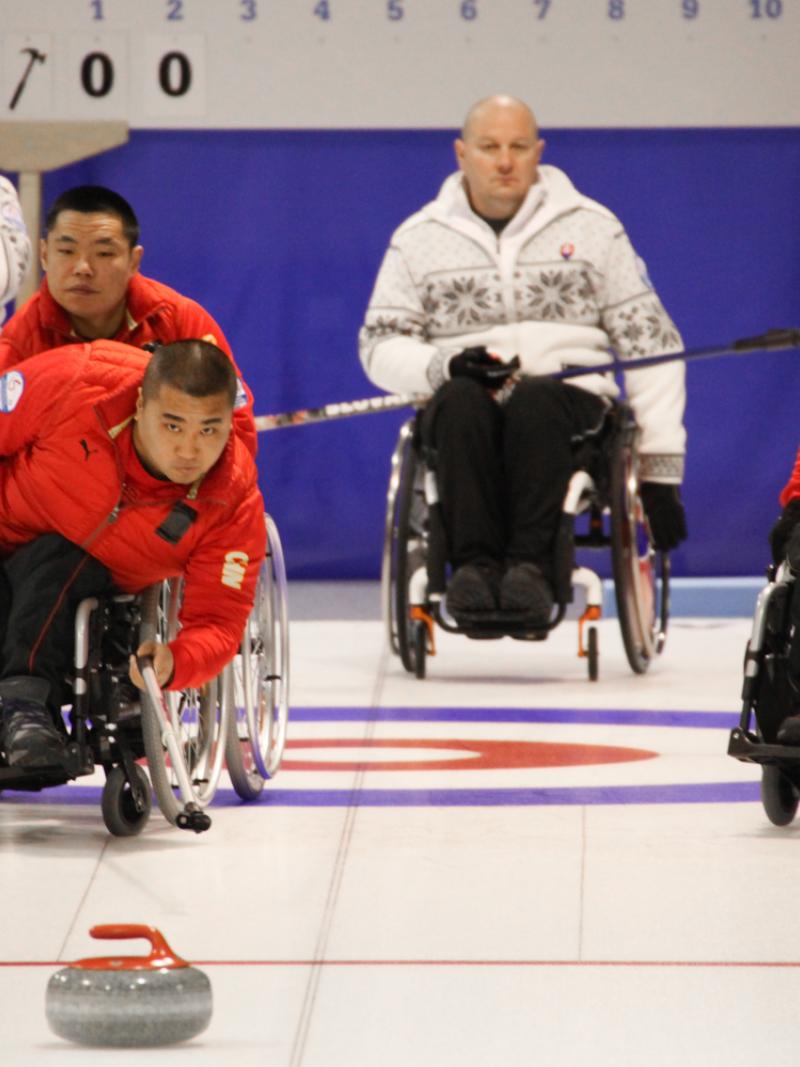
499 152
184 411
90 253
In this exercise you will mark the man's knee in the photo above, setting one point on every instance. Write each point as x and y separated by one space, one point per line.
537 398
463 394
461 406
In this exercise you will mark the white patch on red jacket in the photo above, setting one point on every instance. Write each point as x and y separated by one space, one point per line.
234 569
12 386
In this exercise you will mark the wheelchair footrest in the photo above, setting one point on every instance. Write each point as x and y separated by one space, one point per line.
73 765
491 624
749 748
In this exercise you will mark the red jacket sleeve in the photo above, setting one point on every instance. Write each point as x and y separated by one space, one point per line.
219 587
792 488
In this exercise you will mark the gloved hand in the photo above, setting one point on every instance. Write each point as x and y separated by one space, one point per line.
781 532
664 510
478 364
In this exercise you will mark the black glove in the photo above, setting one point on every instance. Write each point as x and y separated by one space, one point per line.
781 532
478 364
664 510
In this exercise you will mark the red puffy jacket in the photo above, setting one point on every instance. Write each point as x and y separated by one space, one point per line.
154 312
70 467
792 488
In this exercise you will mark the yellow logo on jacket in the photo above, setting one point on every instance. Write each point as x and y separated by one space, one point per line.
234 569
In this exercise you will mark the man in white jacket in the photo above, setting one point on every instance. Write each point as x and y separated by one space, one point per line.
15 246
512 261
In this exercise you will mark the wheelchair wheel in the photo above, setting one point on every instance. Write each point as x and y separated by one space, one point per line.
405 552
258 680
642 595
120 814
779 795
198 716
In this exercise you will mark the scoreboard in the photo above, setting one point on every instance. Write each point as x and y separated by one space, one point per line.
399 63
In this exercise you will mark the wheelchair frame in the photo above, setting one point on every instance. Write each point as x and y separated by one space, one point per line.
413 572
767 697
186 733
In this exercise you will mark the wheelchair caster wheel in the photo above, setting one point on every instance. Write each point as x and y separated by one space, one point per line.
779 795
126 806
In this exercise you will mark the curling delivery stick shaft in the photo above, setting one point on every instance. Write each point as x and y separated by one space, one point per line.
771 341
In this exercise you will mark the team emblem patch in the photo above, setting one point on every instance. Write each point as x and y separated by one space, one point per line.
567 250
234 569
12 386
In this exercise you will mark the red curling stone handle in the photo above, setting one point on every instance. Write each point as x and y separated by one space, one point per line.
161 955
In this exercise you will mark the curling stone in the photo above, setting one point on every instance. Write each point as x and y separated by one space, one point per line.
127 1001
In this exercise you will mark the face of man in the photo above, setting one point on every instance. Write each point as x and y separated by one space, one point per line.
499 155
181 437
89 264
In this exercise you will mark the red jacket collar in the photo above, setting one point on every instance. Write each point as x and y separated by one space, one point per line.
144 299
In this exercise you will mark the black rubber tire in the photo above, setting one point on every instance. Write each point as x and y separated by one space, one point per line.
420 648
244 775
119 811
592 654
778 795
405 629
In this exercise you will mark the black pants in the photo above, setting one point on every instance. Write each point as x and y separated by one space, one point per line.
794 647
503 471
41 585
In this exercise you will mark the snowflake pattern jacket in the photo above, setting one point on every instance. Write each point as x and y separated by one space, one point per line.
69 466
558 287
15 245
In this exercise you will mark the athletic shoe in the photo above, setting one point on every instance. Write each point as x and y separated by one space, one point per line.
30 737
525 589
474 587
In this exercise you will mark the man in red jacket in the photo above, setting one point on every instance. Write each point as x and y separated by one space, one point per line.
92 289
118 470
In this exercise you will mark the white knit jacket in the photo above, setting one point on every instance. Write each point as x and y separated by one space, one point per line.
15 247
560 286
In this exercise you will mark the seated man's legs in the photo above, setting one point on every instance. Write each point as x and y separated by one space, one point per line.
462 426
43 583
544 419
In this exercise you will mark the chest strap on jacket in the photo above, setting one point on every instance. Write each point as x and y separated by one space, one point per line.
177 522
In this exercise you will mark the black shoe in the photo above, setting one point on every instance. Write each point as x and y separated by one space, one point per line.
789 731
474 587
525 589
30 737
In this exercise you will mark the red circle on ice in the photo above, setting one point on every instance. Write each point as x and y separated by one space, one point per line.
479 755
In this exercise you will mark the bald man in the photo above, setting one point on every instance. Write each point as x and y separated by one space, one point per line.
509 275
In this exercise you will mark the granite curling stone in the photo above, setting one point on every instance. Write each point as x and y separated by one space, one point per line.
127 1001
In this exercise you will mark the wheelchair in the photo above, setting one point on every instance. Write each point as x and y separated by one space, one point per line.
602 509
185 735
768 697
